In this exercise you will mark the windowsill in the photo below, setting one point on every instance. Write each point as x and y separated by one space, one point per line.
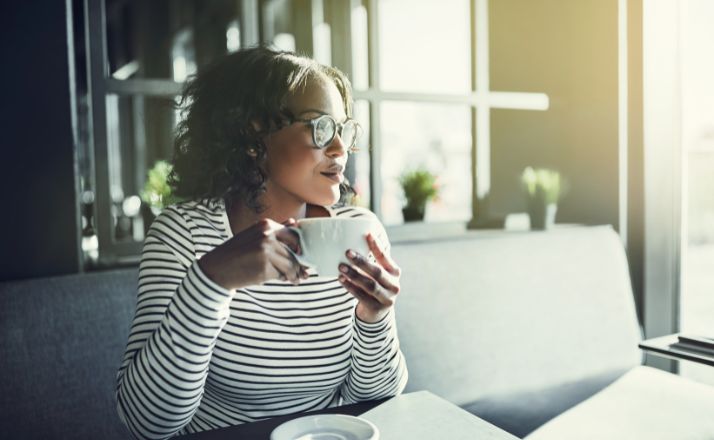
412 232
425 231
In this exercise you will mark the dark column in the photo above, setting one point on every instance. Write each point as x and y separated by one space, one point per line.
40 212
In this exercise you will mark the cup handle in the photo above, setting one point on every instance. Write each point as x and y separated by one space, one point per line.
299 258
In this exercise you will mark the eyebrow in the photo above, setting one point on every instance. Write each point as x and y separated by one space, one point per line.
312 110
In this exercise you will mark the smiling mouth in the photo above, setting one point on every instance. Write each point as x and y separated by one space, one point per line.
335 177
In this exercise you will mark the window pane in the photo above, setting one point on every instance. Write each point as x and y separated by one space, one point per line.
168 39
435 136
286 26
424 46
139 133
697 298
360 51
361 159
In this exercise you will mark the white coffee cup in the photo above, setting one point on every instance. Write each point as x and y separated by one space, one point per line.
324 241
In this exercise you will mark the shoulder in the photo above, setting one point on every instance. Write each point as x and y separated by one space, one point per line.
176 223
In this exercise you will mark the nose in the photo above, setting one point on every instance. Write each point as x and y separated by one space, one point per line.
336 148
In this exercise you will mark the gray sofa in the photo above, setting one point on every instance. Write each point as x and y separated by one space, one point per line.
514 327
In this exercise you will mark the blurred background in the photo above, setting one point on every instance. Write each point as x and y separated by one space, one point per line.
615 96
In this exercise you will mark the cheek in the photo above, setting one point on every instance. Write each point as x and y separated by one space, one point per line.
295 163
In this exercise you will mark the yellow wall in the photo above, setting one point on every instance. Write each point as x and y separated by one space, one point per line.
568 50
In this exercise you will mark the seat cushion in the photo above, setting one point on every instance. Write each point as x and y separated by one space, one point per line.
61 343
645 403
497 313
521 413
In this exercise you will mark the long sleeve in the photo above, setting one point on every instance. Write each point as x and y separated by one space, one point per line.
378 366
379 369
179 314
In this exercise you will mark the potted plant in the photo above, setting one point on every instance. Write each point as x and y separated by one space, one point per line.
156 194
543 188
419 187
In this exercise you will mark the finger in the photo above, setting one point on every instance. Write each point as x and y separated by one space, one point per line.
358 292
374 271
290 238
382 258
289 222
367 284
286 268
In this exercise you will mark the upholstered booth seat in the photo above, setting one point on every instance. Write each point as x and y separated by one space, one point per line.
646 404
61 341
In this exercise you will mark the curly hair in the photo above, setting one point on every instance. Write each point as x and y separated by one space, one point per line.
218 108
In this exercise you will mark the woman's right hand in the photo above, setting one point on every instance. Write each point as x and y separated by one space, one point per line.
255 255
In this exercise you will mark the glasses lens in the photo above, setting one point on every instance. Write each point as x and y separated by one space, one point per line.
349 133
324 130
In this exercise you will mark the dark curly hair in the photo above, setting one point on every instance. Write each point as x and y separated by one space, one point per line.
218 106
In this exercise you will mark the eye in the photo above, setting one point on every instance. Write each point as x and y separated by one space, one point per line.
324 130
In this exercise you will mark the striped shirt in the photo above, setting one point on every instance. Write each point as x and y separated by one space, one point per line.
200 356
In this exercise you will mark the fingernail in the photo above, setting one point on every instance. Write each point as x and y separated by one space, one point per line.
350 253
343 268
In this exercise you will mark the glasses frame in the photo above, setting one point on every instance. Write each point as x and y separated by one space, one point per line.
339 127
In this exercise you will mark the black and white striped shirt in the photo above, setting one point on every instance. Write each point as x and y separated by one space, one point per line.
201 357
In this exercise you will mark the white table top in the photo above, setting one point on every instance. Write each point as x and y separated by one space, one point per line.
424 416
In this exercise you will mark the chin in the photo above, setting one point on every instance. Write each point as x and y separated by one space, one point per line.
323 198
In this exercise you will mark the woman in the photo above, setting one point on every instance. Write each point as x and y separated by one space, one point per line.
228 327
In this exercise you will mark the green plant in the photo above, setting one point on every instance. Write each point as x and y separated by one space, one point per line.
157 192
543 183
419 187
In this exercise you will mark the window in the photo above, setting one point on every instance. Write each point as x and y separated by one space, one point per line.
697 300
139 55
416 93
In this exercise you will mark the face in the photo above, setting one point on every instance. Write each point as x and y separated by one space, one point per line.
294 165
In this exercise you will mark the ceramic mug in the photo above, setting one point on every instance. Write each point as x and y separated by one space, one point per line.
324 241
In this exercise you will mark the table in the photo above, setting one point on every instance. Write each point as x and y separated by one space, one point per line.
662 346
415 416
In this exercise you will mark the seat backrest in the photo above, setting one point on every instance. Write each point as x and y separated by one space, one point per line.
515 311
61 342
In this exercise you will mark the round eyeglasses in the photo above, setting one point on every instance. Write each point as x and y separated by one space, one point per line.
325 128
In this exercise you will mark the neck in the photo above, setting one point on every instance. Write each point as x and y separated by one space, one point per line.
278 209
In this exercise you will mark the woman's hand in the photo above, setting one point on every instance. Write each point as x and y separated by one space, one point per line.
374 285
255 255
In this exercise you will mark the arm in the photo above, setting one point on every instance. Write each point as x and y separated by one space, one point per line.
378 366
179 314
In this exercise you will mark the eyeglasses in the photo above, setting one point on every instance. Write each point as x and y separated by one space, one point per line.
325 128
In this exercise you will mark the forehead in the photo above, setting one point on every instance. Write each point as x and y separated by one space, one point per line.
318 94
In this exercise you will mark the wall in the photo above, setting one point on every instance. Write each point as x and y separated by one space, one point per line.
568 50
40 232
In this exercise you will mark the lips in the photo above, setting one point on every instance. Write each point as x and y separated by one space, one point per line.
334 173
335 177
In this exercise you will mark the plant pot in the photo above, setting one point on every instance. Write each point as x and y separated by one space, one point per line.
413 213
542 214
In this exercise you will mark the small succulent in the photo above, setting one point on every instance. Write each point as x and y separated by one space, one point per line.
543 183
419 186
157 191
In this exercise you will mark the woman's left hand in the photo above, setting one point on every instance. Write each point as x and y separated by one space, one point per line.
374 285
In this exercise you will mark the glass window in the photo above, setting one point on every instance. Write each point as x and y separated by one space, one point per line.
143 37
360 48
139 133
286 26
697 300
425 46
434 136
361 159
